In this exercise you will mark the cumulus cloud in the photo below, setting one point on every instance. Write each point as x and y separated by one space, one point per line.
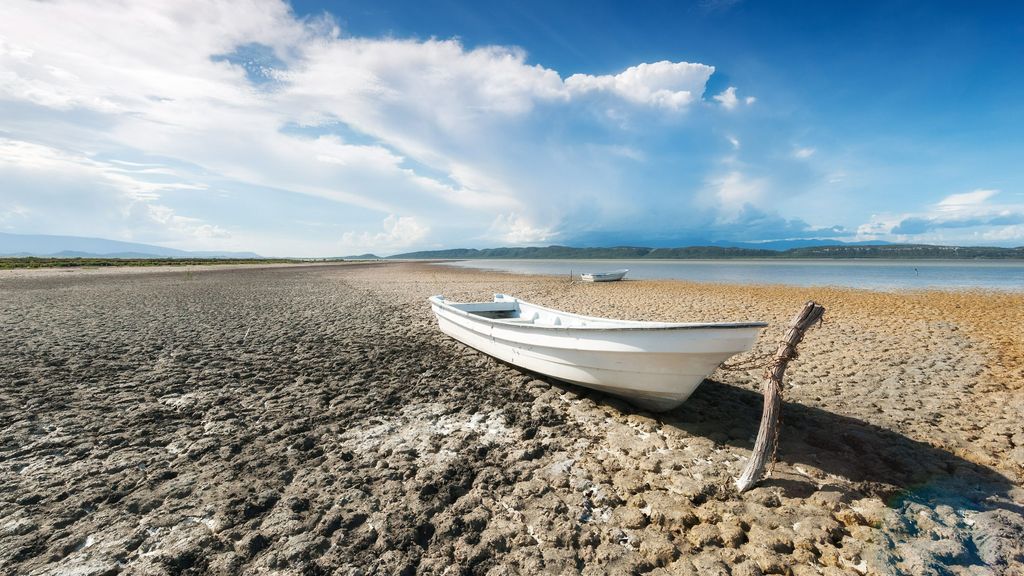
733 191
183 226
739 202
967 216
728 99
918 225
803 153
515 229
241 92
671 85
750 221
399 232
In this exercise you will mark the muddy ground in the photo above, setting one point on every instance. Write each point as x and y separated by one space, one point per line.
313 420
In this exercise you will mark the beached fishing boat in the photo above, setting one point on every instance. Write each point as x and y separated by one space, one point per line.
603 276
655 365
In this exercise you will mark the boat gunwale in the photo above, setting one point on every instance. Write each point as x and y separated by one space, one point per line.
613 276
610 273
647 324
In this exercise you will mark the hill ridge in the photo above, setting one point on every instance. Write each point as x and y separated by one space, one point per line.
843 251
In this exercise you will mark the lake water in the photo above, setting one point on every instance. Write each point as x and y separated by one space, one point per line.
873 274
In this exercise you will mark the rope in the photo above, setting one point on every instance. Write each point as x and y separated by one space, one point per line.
770 362
784 353
778 434
789 353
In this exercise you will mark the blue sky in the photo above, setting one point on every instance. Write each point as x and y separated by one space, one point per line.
319 129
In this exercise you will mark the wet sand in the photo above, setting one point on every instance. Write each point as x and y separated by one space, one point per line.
313 420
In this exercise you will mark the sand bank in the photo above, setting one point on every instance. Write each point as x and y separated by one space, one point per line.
312 419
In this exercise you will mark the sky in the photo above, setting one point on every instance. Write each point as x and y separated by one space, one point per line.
338 128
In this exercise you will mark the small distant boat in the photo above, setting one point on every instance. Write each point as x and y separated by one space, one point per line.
603 276
654 365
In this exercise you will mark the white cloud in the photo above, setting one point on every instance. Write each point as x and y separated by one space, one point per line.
731 192
151 98
728 99
183 225
877 226
1003 234
133 181
515 229
671 85
803 153
69 54
965 201
399 232
964 217
734 141
127 192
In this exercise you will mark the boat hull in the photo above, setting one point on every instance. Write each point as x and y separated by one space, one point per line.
604 276
655 369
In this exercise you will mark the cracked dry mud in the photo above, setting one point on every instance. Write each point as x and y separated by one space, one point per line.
313 420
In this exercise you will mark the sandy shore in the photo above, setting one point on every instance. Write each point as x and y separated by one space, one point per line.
313 420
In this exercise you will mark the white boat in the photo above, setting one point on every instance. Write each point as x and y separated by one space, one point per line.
655 365
603 276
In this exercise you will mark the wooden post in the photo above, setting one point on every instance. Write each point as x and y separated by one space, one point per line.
768 433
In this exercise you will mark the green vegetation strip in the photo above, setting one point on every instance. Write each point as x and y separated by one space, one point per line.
891 251
32 262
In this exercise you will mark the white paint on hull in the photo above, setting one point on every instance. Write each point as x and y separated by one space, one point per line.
603 276
655 365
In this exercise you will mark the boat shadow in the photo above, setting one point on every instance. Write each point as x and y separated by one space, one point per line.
877 461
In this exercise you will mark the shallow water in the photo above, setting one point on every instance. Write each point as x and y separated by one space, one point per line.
873 274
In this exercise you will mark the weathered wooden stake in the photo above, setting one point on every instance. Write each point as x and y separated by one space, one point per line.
768 433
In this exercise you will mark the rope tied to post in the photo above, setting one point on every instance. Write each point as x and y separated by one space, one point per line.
767 362
767 443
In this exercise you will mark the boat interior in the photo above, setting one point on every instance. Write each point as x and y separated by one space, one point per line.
512 311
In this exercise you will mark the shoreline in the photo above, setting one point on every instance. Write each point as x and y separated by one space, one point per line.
892 285
100 270
1018 261
159 268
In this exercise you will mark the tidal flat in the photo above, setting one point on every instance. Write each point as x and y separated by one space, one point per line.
312 419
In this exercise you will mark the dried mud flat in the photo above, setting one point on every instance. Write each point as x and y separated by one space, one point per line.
312 420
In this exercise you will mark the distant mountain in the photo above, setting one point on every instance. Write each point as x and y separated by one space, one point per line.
82 247
362 257
832 251
781 245
529 252
909 252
